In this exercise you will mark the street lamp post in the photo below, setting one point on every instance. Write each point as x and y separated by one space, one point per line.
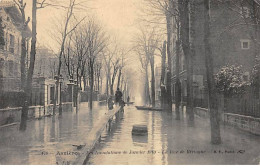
75 94
60 104
55 94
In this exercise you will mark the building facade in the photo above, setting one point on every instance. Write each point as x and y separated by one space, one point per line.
46 63
234 37
10 53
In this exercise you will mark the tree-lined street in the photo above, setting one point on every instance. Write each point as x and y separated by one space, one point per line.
183 75
168 141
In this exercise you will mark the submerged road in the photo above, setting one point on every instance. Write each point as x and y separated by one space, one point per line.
60 140
172 142
53 140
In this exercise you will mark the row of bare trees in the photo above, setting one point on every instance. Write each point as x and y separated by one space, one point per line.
26 78
178 16
83 54
146 42
82 43
114 58
90 55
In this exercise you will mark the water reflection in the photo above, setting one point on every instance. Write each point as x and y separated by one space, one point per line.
122 139
39 143
139 140
167 137
42 139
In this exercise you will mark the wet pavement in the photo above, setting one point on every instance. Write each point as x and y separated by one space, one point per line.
52 140
172 142
49 140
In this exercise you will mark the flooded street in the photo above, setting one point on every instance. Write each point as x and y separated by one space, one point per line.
172 142
45 139
55 140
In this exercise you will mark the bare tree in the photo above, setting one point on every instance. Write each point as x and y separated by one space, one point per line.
121 66
163 70
123 59
185 36
24 27
97 41
144 64
39 4
163 12
112 62
28 88
97 74
177 70
69 58
107 59
116 67
67 31
147 42
212 92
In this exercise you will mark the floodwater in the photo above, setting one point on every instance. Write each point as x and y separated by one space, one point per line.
44 139
171 142
51 140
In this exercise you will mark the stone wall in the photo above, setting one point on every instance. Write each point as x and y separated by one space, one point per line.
13 115
246 123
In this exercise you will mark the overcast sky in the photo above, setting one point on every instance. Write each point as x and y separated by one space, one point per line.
117 16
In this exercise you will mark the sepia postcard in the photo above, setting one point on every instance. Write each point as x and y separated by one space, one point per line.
129 82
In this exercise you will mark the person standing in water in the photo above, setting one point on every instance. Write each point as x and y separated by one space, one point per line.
118 96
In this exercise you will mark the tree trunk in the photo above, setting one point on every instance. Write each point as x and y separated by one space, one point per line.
163 69
23 45
192 56
91 80
28 89
147 92
119 77
125 91
98 83
177 83
23 57
185 38
109 79
80 83
111 88
212 92
113 81
101 84
122 81
169 56
107 85
152 81
85 82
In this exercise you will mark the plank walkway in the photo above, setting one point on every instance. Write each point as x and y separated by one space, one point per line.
95 134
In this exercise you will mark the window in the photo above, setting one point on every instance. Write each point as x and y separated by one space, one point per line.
11 68
11 47
245 44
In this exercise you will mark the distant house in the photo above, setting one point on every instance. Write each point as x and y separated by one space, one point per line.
11 53
46 62
233 36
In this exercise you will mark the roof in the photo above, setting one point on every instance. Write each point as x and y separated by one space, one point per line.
15 15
